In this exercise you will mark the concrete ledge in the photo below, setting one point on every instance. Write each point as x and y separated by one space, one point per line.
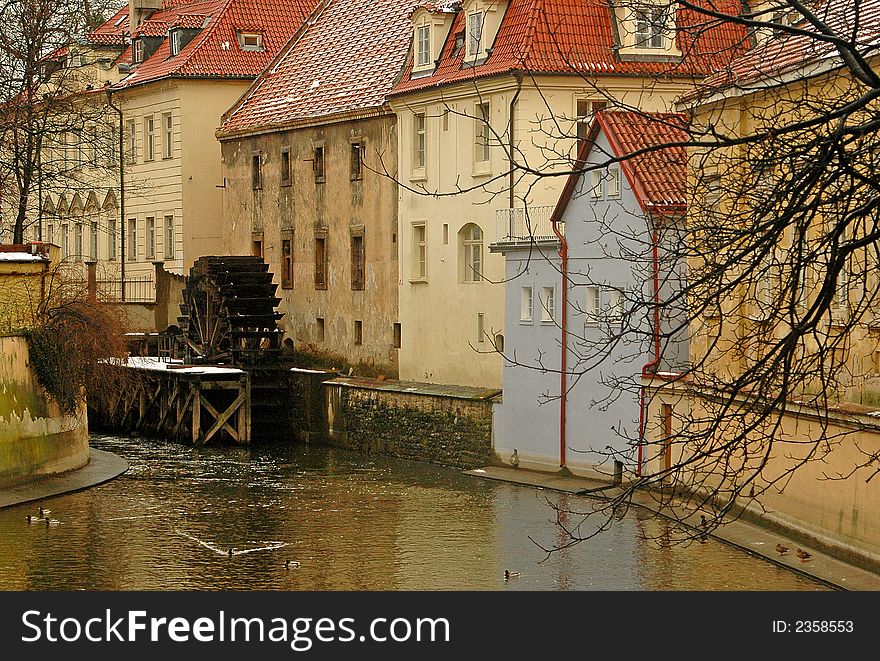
754 539
102 467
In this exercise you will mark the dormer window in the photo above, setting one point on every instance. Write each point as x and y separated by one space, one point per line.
251 41
138 52
475 32
120 21
175 42
650 27
423 45
458 46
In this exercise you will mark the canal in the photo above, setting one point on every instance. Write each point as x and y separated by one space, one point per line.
352 522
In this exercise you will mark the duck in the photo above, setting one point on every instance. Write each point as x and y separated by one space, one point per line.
803 555
44 513
34 519
782 550
514 458
51 522
291 563
510 574
229 552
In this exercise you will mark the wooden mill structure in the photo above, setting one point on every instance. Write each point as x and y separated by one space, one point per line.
231 384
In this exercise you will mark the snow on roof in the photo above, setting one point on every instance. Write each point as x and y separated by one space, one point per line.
161 365
20 257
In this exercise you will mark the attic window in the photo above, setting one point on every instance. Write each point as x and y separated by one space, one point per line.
423 45
250 41
459 44
120 21
475 32
176 41
138 51
650 27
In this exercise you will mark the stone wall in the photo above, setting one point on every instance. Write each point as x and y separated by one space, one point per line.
36 437
438 424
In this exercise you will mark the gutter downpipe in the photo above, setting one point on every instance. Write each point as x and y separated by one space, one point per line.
650 368
563 369
519 81
121 155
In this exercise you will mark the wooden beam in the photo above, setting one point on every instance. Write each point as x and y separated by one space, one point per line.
197 413
223 418
147 405
169 404
181 411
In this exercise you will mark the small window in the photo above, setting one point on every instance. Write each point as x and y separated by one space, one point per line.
286 264
420 252
318 164
548 303
169 237
168 135
481 327
612 188
131 134
111 238
596 184
358 268
397 337
319 329
132 239
482 133
149 138
252 41
615 304
285 167
257 171
50 233
419 140
176 41
358 332
151 237
593 303
525 304
713 192
257 245
586 110
138 53
458 45
475 32
423 45
445 234
79 241
472 252
650 27
320 263
65 241
356 160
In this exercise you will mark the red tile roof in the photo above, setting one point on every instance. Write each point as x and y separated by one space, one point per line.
215 52
786 52
344 61
112 32
656 173
577 36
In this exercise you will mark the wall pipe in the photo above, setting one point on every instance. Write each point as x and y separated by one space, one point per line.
563 369
510 144
650 368
121 155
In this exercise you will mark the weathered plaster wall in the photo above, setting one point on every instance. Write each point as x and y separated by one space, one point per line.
399 420
36 437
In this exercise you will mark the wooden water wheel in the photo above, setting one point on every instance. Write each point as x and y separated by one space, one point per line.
228 313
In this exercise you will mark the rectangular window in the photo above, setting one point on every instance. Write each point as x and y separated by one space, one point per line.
93 145
423 41
420 252
419 140
79 241
257 245
176 40
149 138
475 32
586 109
138 55
358 260
525 304
168 135
713 192
151 237
650 27
615 304
111 239
50 234
356 162
358 332
131 135
318 164
594 302
548 303
93 245
80 147
256 172
397 336
612 188
169 237
250 41
319 329
320 263
65 241
285 166
132 239
481 327
482 130
286 264
596 184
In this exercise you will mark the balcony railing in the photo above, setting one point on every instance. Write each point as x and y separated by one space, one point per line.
526 225
138 289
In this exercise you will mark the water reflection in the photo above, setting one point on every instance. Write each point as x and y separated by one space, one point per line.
207 518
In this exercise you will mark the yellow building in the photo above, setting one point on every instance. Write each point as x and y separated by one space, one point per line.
26 273
777 412
496 91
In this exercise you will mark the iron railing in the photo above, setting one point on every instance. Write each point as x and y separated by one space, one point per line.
138 289
526 225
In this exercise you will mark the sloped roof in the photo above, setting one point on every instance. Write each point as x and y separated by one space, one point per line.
657 176
783 53
112 32
215 51
577 37
345 59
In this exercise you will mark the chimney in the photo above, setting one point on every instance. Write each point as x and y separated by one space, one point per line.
140 10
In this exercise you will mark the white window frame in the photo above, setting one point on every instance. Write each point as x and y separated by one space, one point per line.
167 135
93 243
596 184
420 141
526 304
649 27
250 41
132 239
548 305
169 237
482 130
475 41
593 305
149 138
151 237
420 252
111 238
131 128
423 45
612 187
472 253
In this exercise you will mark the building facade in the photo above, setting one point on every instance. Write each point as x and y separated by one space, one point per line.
310 171
489 110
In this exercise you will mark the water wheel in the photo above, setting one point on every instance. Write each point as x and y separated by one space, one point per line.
228 313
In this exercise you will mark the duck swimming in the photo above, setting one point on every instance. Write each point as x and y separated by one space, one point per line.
291 563
510 574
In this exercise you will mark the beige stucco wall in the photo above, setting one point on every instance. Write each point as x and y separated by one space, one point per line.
336 209
439 316
36 437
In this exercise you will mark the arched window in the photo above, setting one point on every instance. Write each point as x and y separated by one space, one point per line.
471 241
